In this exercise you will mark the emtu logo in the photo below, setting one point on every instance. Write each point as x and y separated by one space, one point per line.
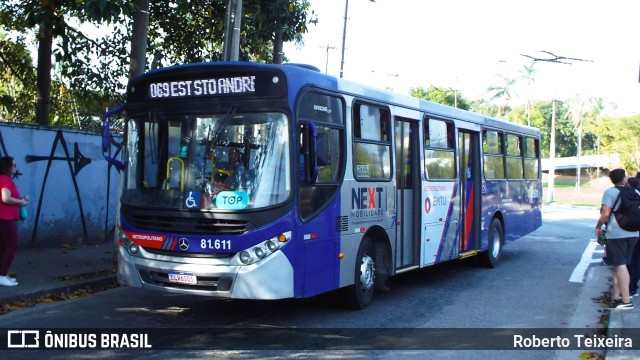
427 205
366 198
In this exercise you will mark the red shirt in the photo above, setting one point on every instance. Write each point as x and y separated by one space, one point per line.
9 212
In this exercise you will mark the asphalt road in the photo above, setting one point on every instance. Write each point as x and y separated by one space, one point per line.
537 285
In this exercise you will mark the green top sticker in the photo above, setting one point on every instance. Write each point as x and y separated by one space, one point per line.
232 200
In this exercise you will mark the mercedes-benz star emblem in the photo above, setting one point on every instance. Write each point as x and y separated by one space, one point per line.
184 244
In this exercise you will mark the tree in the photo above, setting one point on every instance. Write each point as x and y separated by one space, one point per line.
47 20
17 80
527 74
504 92
448 97
279 21
89 71
197 34
619 135
541 114
576 113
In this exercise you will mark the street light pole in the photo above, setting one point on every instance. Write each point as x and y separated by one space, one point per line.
326 64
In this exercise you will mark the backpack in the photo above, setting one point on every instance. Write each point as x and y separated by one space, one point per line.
628 213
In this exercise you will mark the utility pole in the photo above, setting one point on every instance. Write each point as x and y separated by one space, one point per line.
344 34
231 48
552 153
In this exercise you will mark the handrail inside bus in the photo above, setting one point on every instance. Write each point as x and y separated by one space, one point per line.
168 180
106 136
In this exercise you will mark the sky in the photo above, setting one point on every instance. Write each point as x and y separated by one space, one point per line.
468 45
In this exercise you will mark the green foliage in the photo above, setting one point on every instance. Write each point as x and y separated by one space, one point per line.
17 80
502 94
448 97
90 67
187 31
620 136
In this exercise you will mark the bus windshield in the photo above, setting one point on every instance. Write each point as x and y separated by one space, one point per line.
229 161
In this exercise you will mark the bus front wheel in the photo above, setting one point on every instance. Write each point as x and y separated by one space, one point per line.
491 257
360 294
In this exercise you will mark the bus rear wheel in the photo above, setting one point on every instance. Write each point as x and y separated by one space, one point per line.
491 257
360 294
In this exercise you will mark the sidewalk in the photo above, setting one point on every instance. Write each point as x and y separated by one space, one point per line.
62 270
625 323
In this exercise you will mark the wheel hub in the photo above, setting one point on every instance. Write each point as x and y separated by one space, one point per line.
367 272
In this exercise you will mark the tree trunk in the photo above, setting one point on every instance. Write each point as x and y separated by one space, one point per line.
278 55
43 82
139 39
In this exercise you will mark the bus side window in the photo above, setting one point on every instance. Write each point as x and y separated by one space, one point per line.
372 146
531 158
439 154
514 154
492 145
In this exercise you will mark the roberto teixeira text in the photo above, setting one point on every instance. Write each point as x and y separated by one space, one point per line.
576 341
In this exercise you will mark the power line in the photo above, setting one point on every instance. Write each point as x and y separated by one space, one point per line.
557 59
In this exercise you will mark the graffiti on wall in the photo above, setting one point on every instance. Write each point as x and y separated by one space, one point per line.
75 162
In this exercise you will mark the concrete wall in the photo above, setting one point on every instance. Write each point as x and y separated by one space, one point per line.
71 188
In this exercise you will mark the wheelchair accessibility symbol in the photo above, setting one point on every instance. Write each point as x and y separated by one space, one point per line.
190 200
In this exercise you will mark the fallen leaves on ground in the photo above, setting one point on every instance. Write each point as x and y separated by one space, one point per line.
89 275
52 298
591 356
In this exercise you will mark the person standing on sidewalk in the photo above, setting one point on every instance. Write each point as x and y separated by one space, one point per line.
9 215
620 242
634 266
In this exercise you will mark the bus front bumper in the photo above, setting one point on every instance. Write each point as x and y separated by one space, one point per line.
270 278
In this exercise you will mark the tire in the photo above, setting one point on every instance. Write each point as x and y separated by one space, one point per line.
491 257
360 294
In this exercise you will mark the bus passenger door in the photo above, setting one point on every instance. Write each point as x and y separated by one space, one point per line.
407 242
470 190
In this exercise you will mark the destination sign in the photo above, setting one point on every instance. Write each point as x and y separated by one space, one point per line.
203 87
207 81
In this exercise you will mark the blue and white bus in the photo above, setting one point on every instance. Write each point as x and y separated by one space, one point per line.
256 181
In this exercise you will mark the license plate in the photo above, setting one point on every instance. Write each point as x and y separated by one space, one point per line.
183 278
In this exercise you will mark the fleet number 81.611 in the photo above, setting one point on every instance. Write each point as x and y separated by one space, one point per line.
216 244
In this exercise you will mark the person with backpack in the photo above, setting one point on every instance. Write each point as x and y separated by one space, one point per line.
615 214
634 266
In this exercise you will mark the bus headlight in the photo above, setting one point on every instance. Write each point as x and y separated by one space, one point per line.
263 249
272 245
245 257
124 241
260 253
133 248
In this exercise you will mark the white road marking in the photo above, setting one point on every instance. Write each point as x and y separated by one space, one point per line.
587 259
